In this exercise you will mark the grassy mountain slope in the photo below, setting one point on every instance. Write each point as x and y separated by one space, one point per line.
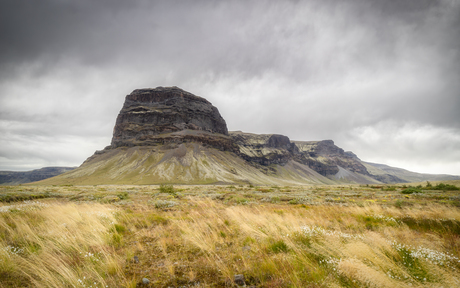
194 163
187 163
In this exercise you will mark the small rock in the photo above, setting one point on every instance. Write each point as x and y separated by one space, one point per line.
239 280
136 259
145 281
246 248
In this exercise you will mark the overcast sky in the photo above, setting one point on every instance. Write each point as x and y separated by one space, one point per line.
380 78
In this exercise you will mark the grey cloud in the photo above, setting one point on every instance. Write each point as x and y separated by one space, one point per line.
307 69
429 148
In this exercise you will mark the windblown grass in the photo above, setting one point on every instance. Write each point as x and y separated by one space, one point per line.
202 236
299 248
58 245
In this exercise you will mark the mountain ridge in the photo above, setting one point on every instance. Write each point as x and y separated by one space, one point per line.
22 177
168 135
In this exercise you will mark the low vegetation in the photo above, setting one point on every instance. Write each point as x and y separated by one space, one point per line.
222 236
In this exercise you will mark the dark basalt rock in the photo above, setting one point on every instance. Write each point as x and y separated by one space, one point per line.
264 149
150 112
328 148
325 169
279 141
324 157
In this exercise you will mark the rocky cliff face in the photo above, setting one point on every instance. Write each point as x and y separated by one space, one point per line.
264 149
322 156
326 158
148 113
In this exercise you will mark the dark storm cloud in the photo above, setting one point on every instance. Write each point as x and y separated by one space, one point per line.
364 73
34 29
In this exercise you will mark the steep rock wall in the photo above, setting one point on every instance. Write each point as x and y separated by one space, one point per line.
150 112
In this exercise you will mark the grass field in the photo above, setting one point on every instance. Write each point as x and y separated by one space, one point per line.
208 236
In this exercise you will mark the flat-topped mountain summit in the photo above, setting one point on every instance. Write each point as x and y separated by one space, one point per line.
150 112
168 135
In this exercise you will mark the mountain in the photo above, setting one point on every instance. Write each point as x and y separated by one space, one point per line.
168 135
14 177
388 174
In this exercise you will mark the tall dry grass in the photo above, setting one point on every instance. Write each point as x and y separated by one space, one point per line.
58 245
202 239
320 246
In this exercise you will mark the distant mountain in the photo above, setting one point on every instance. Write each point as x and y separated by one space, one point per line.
168 135
16 177
388 174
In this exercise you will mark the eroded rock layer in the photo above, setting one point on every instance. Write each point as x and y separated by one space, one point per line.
264 149
325 157
322 156
147 113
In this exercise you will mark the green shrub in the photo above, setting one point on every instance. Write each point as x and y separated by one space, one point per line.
119 228
399 203
168 189
411 190
278 246
445 187
293 201
16 197
123 195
